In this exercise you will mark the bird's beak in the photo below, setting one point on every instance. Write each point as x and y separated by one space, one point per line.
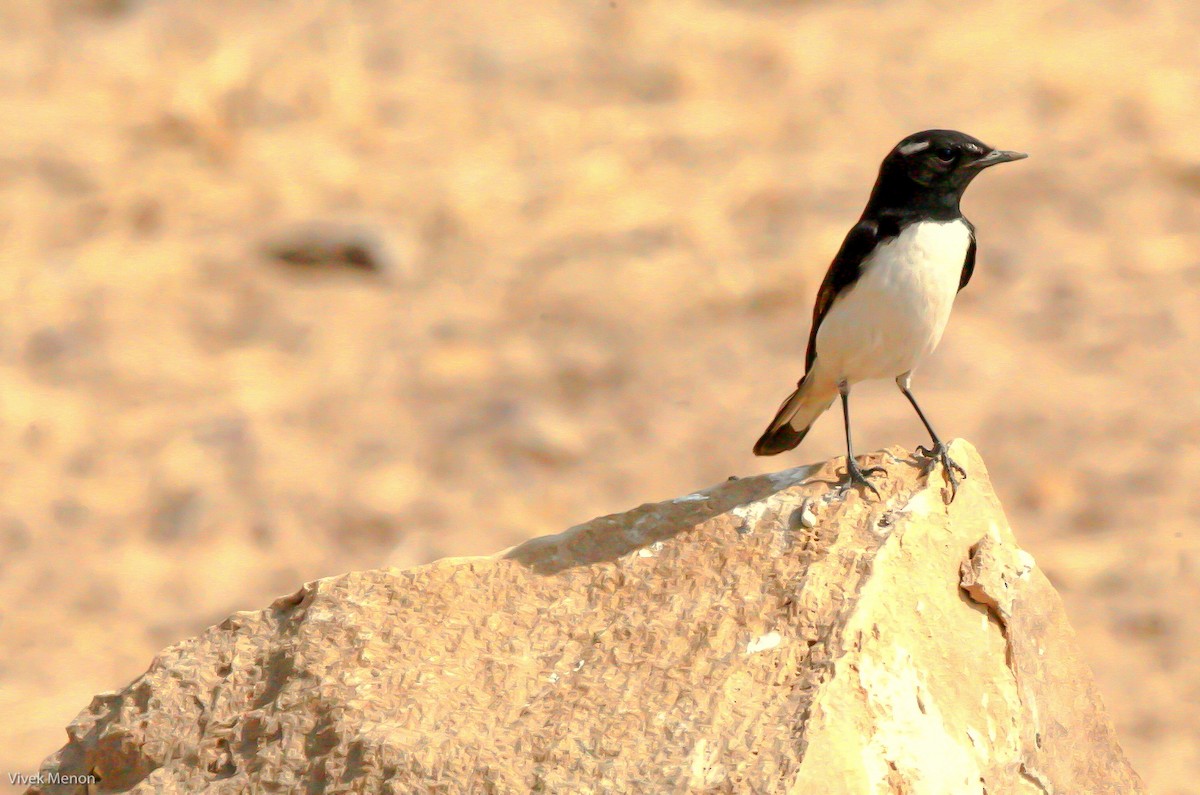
998 156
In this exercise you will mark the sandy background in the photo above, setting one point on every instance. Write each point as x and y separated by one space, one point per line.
601 226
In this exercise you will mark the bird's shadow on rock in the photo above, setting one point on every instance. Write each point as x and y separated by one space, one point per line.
607 538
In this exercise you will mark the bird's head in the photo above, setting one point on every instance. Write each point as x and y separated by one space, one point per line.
942 160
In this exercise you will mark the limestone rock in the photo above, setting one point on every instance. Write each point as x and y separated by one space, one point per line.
762 635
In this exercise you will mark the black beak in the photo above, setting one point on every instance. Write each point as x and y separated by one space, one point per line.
998 156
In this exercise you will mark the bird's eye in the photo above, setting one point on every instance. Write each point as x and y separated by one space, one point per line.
946 154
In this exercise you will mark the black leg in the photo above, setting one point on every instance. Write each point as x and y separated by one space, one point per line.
854 475
938 453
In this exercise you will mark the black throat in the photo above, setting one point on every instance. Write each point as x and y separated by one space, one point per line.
898 196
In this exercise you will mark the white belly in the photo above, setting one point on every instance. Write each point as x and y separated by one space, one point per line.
894 315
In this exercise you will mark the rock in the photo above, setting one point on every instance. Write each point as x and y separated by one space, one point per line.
330 245
758 636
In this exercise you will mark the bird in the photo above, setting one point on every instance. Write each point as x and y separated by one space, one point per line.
886 298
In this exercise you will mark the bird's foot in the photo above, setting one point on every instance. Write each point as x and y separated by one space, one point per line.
856 476
938 454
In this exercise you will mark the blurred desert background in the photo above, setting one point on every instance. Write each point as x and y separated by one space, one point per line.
588 239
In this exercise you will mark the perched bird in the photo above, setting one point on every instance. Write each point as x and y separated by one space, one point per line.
886 298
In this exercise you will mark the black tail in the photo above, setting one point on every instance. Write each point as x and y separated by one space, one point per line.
779 440
795 416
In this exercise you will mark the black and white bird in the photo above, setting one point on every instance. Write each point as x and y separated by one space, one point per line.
887 296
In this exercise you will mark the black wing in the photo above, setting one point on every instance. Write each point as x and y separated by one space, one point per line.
845 270
969 263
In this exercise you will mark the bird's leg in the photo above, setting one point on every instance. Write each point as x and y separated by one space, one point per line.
854 475
938 452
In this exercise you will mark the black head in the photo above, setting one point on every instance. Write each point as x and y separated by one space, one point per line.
933 168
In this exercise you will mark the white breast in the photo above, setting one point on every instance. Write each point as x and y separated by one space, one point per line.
894 315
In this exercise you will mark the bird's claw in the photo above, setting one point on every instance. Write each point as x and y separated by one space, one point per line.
955 474
858 476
